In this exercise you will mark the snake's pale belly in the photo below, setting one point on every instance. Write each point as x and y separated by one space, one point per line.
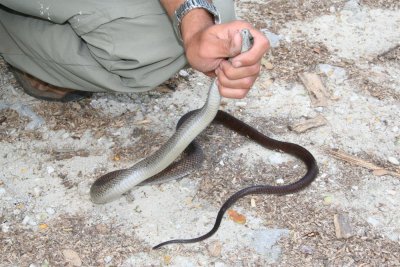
114 184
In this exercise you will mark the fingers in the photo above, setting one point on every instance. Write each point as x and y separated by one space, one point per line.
254 55
234 73
232 93
236 82
226 43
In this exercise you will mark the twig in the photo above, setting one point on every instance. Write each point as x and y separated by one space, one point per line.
377 170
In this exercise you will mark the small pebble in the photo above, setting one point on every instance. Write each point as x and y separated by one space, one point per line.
50 169
276 158
373 221
26 220
107 259
2 191
36 191
65 136
215 248
280 181
50 211
16 212
222 163
253 203
328 200
183 73
307 250
5 227
83 188
241 104
393 160
72 257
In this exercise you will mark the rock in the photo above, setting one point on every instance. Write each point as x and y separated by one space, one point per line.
183 73
353 6
241 104
393 160
5 227
373 221
276 159
337 74
273 38
343 228
72 257
50 211
50 169
280 181
214 249
108 259
26 220
307 249
102 228
328 200
84 188
265 242
37 191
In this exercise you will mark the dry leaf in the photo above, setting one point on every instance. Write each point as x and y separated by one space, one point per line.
72 257
236 217
268 65
43 226
167 259
142 122
380 172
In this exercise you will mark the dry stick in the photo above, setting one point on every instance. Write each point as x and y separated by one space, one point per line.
318 94
361 163
301 127
388 51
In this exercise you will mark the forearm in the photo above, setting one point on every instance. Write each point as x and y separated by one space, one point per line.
193 22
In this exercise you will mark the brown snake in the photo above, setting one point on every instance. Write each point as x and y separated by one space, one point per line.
112 185
244 129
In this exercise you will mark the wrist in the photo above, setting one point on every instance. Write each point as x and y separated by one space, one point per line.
194 22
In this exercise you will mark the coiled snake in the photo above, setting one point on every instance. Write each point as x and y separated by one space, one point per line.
112 185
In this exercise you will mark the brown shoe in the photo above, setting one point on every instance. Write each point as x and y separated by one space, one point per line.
44 91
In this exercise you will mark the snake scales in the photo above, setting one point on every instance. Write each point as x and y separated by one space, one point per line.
112 185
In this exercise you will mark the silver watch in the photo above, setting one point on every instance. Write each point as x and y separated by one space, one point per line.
187 6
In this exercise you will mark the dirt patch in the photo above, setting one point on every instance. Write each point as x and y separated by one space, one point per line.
21 246
274 14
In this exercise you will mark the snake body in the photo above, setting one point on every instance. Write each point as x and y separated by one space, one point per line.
244 129
112 185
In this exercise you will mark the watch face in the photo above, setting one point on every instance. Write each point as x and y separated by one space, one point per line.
188 6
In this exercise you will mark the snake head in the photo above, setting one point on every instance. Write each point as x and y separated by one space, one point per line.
247 40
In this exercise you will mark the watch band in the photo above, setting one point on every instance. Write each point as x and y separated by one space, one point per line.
189 5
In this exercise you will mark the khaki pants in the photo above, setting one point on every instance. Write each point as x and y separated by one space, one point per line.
120 45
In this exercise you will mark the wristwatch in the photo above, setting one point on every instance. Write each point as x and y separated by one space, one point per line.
187 6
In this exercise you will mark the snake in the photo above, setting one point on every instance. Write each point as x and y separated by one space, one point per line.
161 165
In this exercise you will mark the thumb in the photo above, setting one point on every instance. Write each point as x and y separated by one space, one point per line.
235 44
227 47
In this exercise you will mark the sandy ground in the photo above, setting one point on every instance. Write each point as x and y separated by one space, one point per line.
51 153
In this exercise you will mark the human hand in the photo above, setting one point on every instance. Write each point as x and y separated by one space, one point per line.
208 49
